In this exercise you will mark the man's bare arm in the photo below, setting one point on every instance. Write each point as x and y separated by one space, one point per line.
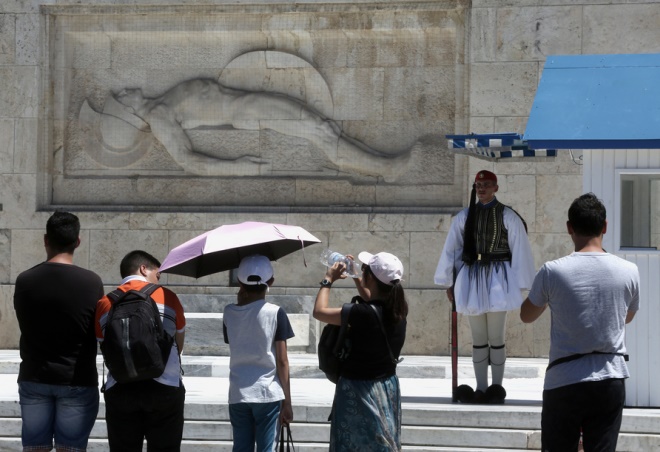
530 312
282 362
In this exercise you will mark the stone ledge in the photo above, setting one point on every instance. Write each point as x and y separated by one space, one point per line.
204 334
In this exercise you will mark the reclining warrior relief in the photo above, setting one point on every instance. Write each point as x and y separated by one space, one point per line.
205 103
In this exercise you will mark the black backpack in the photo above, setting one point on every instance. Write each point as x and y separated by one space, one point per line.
135 346
335 345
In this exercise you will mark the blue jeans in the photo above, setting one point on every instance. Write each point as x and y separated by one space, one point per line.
66 413
252 422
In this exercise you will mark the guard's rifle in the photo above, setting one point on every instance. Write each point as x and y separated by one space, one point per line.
454 344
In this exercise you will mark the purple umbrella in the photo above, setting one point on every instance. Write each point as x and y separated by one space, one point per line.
223 248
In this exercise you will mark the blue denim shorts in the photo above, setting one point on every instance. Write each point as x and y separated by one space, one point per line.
254 423
66 413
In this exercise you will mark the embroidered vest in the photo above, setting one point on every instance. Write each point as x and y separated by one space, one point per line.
490 236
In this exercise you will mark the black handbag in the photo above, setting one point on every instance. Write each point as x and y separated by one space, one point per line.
335 345
286 444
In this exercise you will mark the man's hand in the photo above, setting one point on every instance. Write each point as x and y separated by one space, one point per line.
450 294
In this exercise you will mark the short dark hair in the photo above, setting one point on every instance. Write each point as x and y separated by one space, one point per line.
132 261
587 215
62 231
255 288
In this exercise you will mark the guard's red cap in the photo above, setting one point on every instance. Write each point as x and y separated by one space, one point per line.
485 175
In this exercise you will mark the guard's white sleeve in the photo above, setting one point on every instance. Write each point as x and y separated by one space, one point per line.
451 258
522 261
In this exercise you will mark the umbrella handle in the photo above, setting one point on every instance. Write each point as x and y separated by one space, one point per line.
302 245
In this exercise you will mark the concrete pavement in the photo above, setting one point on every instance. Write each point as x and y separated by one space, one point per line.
424 379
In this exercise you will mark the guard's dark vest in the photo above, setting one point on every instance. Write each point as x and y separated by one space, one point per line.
490 236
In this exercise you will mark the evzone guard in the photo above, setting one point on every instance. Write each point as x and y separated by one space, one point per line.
485 264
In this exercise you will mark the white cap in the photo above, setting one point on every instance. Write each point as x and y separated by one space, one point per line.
254 270
385 266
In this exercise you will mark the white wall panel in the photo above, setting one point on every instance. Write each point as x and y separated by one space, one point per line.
643 334
651 309
640 328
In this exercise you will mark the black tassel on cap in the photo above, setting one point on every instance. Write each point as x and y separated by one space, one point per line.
469 239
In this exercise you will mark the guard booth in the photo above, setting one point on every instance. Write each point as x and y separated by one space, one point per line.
605 110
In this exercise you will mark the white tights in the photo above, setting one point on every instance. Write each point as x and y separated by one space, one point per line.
488 347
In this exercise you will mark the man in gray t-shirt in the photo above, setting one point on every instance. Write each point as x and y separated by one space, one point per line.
592 295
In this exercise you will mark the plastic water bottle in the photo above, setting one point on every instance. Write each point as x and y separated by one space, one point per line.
329 257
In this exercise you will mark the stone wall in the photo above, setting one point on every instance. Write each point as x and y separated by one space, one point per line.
287 106
495 49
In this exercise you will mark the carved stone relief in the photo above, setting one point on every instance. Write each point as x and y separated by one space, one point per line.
259 121
128 117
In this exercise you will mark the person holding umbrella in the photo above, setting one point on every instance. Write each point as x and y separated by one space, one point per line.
485 264
366 413
257 331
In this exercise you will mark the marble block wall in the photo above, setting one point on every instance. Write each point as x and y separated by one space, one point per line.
288 106
396 75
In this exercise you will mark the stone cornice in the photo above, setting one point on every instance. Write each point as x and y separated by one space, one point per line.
270 8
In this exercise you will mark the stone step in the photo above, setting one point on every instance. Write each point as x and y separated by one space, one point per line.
310 433
216 302
430 421
100 445
204 334
305 365
216 435
204 321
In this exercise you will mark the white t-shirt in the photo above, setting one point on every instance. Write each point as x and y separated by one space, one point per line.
251 331
589 295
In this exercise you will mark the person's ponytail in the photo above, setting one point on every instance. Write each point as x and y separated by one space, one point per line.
397 306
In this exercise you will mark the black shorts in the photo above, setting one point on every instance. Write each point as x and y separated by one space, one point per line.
593 407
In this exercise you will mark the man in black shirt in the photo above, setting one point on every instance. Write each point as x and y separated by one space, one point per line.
55 303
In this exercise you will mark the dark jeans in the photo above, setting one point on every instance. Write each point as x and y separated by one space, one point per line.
594 406
146 409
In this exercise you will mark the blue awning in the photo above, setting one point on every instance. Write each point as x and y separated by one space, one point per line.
597 102
496 146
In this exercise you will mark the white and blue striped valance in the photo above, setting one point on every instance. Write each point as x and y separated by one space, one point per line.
495 146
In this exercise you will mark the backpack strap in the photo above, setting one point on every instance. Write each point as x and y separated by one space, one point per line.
344 329
147 289
382 328
115 294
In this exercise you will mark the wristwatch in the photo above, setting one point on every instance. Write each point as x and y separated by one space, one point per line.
326 283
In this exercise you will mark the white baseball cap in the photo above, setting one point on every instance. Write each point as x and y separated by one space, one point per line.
385 266
254 270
